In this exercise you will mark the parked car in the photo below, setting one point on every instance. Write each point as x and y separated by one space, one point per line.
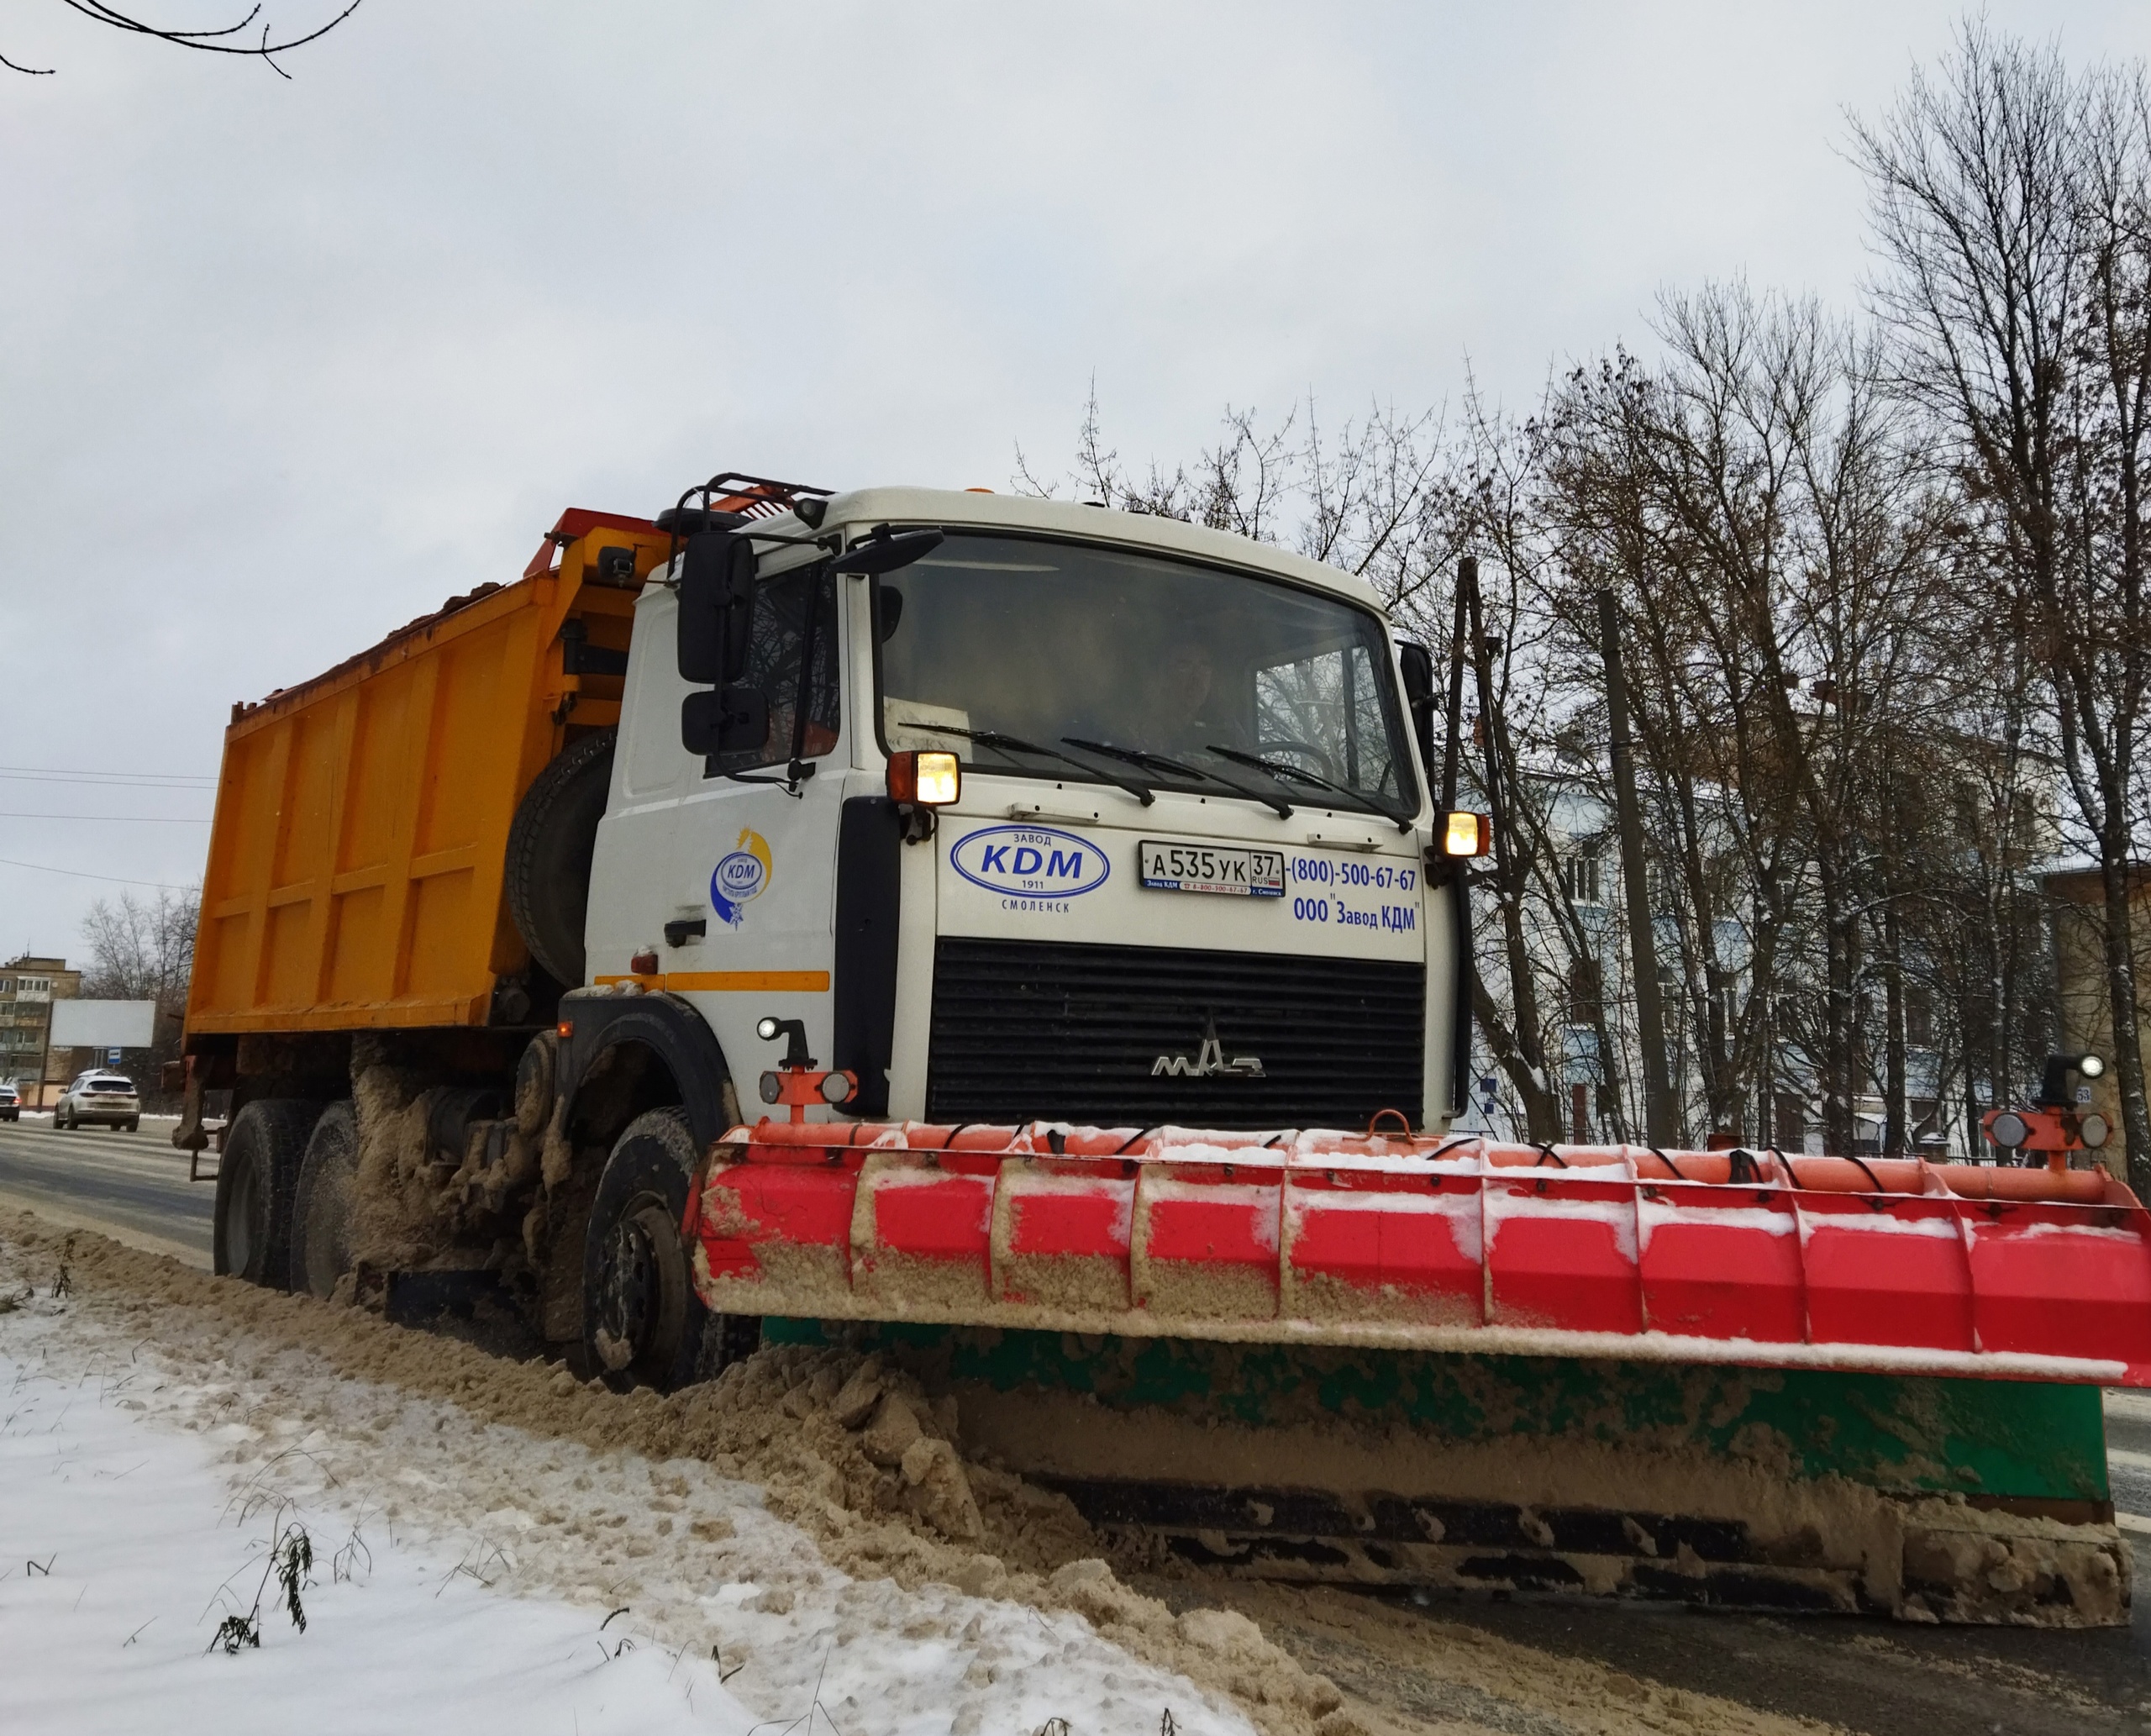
97 1097
11 1102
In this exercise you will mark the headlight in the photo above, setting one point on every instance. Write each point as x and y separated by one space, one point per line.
926 779
1464 833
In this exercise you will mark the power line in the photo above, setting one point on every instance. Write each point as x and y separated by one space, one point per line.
146 819
79 873
113 781
65 773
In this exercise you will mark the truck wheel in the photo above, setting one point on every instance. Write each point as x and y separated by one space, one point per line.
548 849
252 1234
321 1203
643 1325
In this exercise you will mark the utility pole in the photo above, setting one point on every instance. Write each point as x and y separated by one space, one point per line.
1659 1120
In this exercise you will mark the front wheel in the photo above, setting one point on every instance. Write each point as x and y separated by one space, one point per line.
256 1177
134 1125
643 1325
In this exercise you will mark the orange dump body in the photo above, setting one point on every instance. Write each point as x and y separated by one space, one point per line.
356 858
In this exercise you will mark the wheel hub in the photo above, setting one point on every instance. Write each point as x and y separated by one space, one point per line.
630 1288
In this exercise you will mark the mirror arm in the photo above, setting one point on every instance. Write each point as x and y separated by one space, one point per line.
828 542
796 774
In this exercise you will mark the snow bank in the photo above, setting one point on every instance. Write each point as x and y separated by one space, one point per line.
467 1572
128 1545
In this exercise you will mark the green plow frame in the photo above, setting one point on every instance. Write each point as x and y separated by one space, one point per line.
1795 1489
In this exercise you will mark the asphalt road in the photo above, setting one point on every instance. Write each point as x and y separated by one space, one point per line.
130 1186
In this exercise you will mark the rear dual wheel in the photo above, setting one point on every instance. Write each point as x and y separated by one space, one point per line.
256 1177
321 1200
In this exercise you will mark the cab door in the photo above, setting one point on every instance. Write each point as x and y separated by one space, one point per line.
631 897
752 857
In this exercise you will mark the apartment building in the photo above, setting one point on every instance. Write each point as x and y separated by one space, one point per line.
28 985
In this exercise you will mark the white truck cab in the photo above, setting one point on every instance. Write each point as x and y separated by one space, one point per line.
1190 874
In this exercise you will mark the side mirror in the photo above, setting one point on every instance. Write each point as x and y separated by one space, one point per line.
1418 664
883 550
888 610
717 599
732 720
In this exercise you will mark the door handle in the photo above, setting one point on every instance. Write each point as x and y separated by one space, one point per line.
678 934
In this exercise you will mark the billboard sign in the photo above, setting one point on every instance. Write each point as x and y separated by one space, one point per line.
103 1024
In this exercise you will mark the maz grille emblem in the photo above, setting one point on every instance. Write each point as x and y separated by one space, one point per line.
1210 1063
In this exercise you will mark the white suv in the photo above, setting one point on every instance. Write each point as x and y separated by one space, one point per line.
99 1097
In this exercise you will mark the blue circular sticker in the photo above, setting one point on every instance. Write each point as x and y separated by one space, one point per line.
739 876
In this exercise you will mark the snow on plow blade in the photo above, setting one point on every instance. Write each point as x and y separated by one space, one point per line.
1892 1266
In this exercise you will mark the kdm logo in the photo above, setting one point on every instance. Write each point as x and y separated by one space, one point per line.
740 877
1030 861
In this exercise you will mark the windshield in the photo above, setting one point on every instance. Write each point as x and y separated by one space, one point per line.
1037 656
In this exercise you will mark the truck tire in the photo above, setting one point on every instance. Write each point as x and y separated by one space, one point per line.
550 846
643 1325
255 1177
321 1203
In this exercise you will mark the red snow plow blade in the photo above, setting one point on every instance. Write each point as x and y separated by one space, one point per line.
1888 1265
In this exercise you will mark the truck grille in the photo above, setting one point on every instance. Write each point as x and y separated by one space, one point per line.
1027 1030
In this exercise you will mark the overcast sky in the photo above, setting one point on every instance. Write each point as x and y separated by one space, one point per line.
284 364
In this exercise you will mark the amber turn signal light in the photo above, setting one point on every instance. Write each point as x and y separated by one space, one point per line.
1466 834
925 778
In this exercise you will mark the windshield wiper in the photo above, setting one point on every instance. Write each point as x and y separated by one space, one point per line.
1279 768
1016 744
1137 756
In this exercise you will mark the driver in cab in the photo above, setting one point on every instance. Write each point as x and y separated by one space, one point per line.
1170 712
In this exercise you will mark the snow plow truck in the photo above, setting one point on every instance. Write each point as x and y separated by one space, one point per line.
1021 939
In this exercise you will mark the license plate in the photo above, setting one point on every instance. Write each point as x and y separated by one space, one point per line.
1206 868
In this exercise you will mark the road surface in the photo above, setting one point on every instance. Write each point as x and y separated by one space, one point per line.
130 1186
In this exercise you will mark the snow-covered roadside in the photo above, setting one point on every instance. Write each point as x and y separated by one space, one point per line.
128 1545
809 1515
144 1476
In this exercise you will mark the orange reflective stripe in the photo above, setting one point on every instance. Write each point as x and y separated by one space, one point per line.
791 983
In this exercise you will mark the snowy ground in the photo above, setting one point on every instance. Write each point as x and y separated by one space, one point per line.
130 1545
466 1576
495 1548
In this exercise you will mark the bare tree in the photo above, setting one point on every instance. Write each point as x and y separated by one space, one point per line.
2011 204
1789 572
226 40
143 949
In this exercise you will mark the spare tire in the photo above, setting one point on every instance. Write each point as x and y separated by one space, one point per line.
549 850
